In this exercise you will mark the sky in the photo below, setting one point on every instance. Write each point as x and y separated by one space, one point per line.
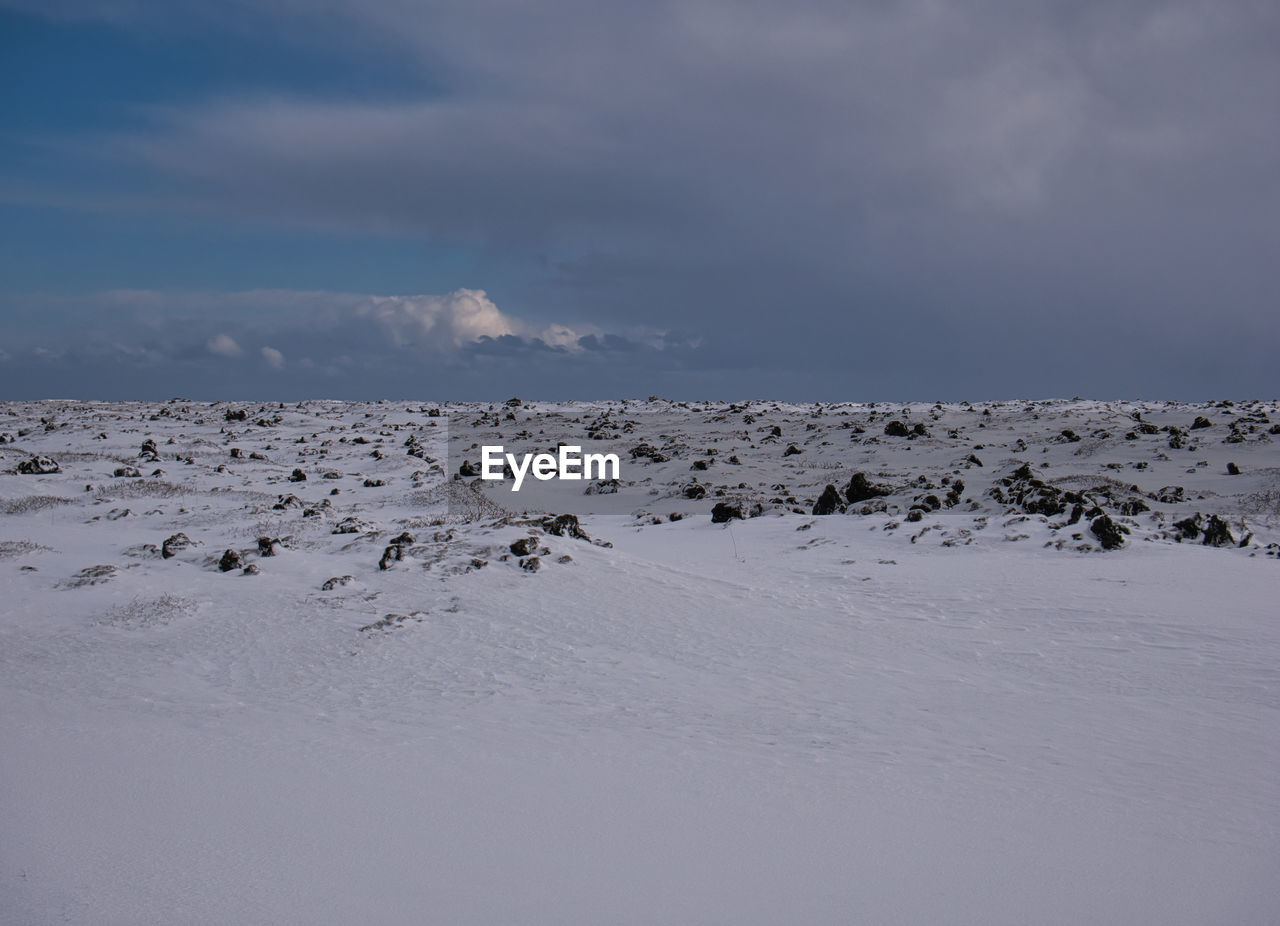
791 199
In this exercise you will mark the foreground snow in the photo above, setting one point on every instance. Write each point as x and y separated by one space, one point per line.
784 719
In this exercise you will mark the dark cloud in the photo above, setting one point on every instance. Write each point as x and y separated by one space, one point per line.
987 198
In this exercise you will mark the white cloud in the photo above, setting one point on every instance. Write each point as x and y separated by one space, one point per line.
454 320
274 358
223 345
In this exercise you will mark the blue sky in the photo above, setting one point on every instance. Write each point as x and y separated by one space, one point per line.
805 200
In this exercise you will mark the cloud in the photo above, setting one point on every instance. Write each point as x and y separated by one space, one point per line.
273 357
224 345
804 189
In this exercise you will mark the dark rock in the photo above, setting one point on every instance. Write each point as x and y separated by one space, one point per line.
791 450
915 514
727 511
331 584
467 469
1217 533
39 466
1188 528
267 546
236 414
1233 470
250 570
860 489
174 544
695 490
351 525
394 553
973 458
230 560
1133 506
297 476
531 564
126 472
828 502
649 452
374 483
1109 534
524 546
699 465
564 525
896 428
1200 423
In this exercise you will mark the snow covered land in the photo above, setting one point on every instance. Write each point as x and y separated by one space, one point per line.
265 663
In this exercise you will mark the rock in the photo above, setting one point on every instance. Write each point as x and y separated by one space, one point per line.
39 466
1217 533
394 553
331 584
287 501
236 414
915 514
791 450
126 472
828 502
695 490
649 452
1171 495
405 539
531 564
699 465
297 476
230 560
177 542
723 512
331 475
1188 528
973 458
374 483
1109 534
513 402
1233 470
467 469
896 428
351 525
1200 423
564 525
250 570
267 546
524 546
149 450
860 489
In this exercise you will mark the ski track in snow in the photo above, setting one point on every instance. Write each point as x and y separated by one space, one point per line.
975 717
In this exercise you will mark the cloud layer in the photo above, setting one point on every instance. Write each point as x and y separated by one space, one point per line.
1007 197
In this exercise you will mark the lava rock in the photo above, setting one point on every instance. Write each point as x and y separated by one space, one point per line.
828 502
1217 533
524 546
860 489
174 544
1109 533
39 466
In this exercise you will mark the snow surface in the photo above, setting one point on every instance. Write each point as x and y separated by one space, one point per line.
976 717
